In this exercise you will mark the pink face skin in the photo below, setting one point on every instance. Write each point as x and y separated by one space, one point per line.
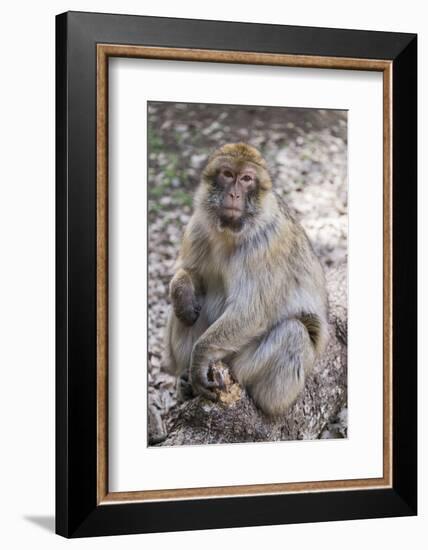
236 184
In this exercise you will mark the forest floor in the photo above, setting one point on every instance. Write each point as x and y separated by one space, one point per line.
306 151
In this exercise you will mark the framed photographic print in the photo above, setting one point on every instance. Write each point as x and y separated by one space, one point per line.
236 274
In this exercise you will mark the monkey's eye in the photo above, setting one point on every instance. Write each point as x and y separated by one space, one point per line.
246 178
227 174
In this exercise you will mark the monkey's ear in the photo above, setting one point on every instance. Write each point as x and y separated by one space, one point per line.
265 183
210 169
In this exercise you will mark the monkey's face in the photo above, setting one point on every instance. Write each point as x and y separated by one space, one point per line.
233 194
235 186
235 181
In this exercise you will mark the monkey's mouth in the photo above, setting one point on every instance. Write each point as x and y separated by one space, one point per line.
232 212
232 218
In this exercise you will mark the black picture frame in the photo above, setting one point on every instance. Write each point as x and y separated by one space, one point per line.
77 511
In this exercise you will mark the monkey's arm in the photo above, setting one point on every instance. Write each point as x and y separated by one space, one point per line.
183 290
233 330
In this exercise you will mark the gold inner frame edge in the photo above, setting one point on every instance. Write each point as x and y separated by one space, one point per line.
104 51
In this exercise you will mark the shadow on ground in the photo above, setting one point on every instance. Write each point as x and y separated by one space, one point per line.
45 522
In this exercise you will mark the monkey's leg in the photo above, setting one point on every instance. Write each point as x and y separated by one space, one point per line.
184 388
179 341
273 368
181 344
174 367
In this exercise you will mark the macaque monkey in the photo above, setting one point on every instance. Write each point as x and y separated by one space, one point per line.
248 288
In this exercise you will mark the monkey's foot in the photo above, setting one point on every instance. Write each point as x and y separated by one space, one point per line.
184 389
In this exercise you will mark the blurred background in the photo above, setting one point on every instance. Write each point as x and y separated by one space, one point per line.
306 152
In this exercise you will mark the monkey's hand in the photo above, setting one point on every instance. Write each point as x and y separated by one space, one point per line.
184 302
204 382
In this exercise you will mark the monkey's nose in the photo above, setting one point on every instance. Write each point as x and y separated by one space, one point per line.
233 195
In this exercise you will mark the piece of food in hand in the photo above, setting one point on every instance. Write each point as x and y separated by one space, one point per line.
228 391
